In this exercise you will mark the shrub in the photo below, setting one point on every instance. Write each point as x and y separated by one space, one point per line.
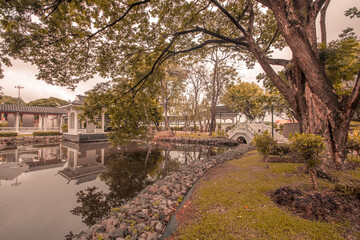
64 128
8 134
280 149
308 148
46 133
177 128
264 143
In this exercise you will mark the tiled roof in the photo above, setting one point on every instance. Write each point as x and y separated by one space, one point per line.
30 109
79 100
223 109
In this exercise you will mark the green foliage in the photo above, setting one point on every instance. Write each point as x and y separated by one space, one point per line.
11 100
308 148
352 12
280 149
342 60
48 102
8 134
130 115
264 143
50 133
248 99
349 188
64 128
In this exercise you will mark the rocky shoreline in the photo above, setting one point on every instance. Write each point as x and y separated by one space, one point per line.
208 141
146 216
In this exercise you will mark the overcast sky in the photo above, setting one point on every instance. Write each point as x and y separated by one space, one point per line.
25 74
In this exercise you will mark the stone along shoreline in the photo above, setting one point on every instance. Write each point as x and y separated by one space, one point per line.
145 216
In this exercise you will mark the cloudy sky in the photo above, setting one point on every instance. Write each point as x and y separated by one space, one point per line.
25 74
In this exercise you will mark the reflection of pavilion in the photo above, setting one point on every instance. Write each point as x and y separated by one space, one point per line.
28 159
85 161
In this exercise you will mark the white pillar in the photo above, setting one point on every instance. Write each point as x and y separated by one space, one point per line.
75 159
45 122
75 122
103 122
103 157
61 123
40 122
17 122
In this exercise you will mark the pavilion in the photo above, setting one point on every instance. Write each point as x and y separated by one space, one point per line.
83 130
28 119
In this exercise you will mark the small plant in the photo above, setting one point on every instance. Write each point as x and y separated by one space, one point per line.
46 133
8 134
180 199
308 148
64 128
264 143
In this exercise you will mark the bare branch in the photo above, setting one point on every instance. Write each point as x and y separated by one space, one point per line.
232 19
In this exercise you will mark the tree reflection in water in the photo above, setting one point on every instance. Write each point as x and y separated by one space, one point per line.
131 171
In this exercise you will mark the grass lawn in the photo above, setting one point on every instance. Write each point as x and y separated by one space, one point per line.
233 203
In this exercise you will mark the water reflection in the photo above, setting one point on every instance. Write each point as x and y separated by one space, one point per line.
82 180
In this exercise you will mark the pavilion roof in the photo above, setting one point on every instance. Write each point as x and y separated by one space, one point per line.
224 109
9 108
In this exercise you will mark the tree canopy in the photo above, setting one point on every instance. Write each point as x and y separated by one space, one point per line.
248 99
70 41
11 100
48 102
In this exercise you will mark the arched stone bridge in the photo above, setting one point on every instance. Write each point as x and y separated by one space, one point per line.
245 132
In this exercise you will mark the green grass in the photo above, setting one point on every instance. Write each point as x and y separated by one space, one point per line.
236 205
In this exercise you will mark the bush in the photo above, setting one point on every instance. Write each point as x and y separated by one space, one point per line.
264 143
8 134
280 149
177 128
308 148
64 128
46 133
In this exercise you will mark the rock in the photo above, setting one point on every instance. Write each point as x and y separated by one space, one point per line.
158 227
97 228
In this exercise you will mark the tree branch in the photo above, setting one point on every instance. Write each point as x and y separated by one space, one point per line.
232 19
351 102
323 23
131 6
277 61
272 40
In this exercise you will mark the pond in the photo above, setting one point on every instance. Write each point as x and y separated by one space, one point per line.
48 191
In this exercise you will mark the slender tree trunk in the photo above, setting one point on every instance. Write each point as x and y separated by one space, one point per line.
313 180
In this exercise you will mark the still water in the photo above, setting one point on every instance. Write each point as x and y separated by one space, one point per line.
48 191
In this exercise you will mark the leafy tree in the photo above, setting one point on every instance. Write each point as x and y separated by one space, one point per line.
70 41
48 102
130 116
11 100
308 148
264 143
172 82
248 99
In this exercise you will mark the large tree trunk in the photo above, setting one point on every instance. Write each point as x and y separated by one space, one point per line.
308 90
